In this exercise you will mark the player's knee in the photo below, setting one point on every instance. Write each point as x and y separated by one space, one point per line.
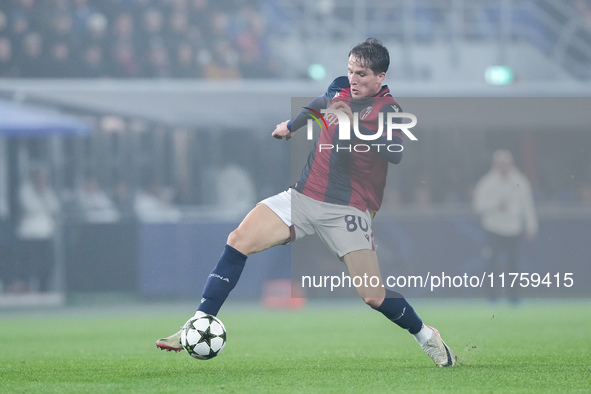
373 302
235 238
238 241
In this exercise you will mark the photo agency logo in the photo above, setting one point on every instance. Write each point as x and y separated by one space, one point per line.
332 116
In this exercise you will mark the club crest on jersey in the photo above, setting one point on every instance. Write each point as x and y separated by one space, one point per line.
365 112
331 119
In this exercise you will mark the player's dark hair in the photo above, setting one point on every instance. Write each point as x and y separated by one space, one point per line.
372 54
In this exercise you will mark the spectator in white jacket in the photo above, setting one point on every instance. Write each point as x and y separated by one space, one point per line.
38 209
94 204
504 201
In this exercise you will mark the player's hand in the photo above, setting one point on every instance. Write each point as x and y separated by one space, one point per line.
342 106
281 131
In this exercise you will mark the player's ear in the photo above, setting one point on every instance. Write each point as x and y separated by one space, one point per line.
381 76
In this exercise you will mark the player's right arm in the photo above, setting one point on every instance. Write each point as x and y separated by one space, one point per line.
302 117
282 131
317 104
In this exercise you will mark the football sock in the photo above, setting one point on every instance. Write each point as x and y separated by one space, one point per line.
222 280
398 310
424 335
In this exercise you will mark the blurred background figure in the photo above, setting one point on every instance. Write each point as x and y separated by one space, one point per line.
158 64
5 236
93 63
31 57
59 63
153 204
504 201
124 63
222 63
94 204
8 67
39 207
124 200
235 190
185 63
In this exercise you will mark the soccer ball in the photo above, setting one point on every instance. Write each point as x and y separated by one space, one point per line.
203 336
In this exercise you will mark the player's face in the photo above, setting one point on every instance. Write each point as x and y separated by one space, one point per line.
364 82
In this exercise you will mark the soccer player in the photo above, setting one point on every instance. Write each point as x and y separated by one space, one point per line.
333 186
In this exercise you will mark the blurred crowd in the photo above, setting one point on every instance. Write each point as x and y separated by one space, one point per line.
230 39
222 39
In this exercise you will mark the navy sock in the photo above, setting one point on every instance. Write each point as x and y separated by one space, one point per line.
222 280
398 310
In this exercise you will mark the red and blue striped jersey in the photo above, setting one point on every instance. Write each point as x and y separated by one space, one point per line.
355 173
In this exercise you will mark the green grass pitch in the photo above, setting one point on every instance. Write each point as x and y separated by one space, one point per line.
538 346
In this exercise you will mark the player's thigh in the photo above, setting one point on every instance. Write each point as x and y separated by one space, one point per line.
259 230
344 229
364 264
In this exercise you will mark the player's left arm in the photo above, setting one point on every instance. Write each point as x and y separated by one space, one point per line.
390 149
